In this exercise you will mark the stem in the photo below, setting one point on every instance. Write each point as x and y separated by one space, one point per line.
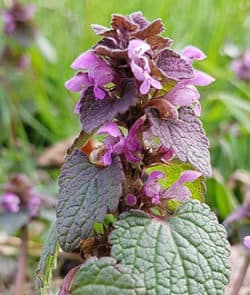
21 265
241 276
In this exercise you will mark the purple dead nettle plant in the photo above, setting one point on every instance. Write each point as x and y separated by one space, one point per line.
141 157
20 29
19 206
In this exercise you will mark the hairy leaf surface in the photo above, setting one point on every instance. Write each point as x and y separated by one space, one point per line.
175 67
186 137
93 113
86 193
105 276
186 254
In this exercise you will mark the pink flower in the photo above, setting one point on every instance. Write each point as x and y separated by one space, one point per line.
130 200
16 16
152 188
247 241
10 202
117 143
177 191
114 142
34 203
139 62
185 93
98 74
241 67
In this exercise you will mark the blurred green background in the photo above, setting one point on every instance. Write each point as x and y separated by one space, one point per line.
36 110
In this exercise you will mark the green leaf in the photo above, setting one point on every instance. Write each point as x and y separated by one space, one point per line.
11 222
109 219
86 193
173 170
98 227
186 254
105 276
48 260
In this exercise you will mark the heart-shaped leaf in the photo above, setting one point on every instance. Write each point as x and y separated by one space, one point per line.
86 193
105 276
185 254
186 137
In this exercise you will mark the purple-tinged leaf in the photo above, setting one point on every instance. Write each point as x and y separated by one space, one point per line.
139 19
158 42
93 113
86 194
113 53
121 22
174 66
186 137
154 28
99 29
67 281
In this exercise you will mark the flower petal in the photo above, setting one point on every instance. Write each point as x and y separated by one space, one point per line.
189 176
156 84
197 108
10 202
85 61
137 48
176 192
99 93
131 200
77 108
201 79
137 71
78 82
156 175
110 129
247 241
179 192
183 96
145 86
107 158
193 53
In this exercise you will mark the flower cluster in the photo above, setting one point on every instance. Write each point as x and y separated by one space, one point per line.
20 195
241 67
18 25
18 22
141 96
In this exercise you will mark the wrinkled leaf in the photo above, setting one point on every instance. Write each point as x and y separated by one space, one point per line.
174 66
186 137
93 113
138 18
48 259
154 28
185 254
86 193
105 276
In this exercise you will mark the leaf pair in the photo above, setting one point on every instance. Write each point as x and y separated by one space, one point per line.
186 254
